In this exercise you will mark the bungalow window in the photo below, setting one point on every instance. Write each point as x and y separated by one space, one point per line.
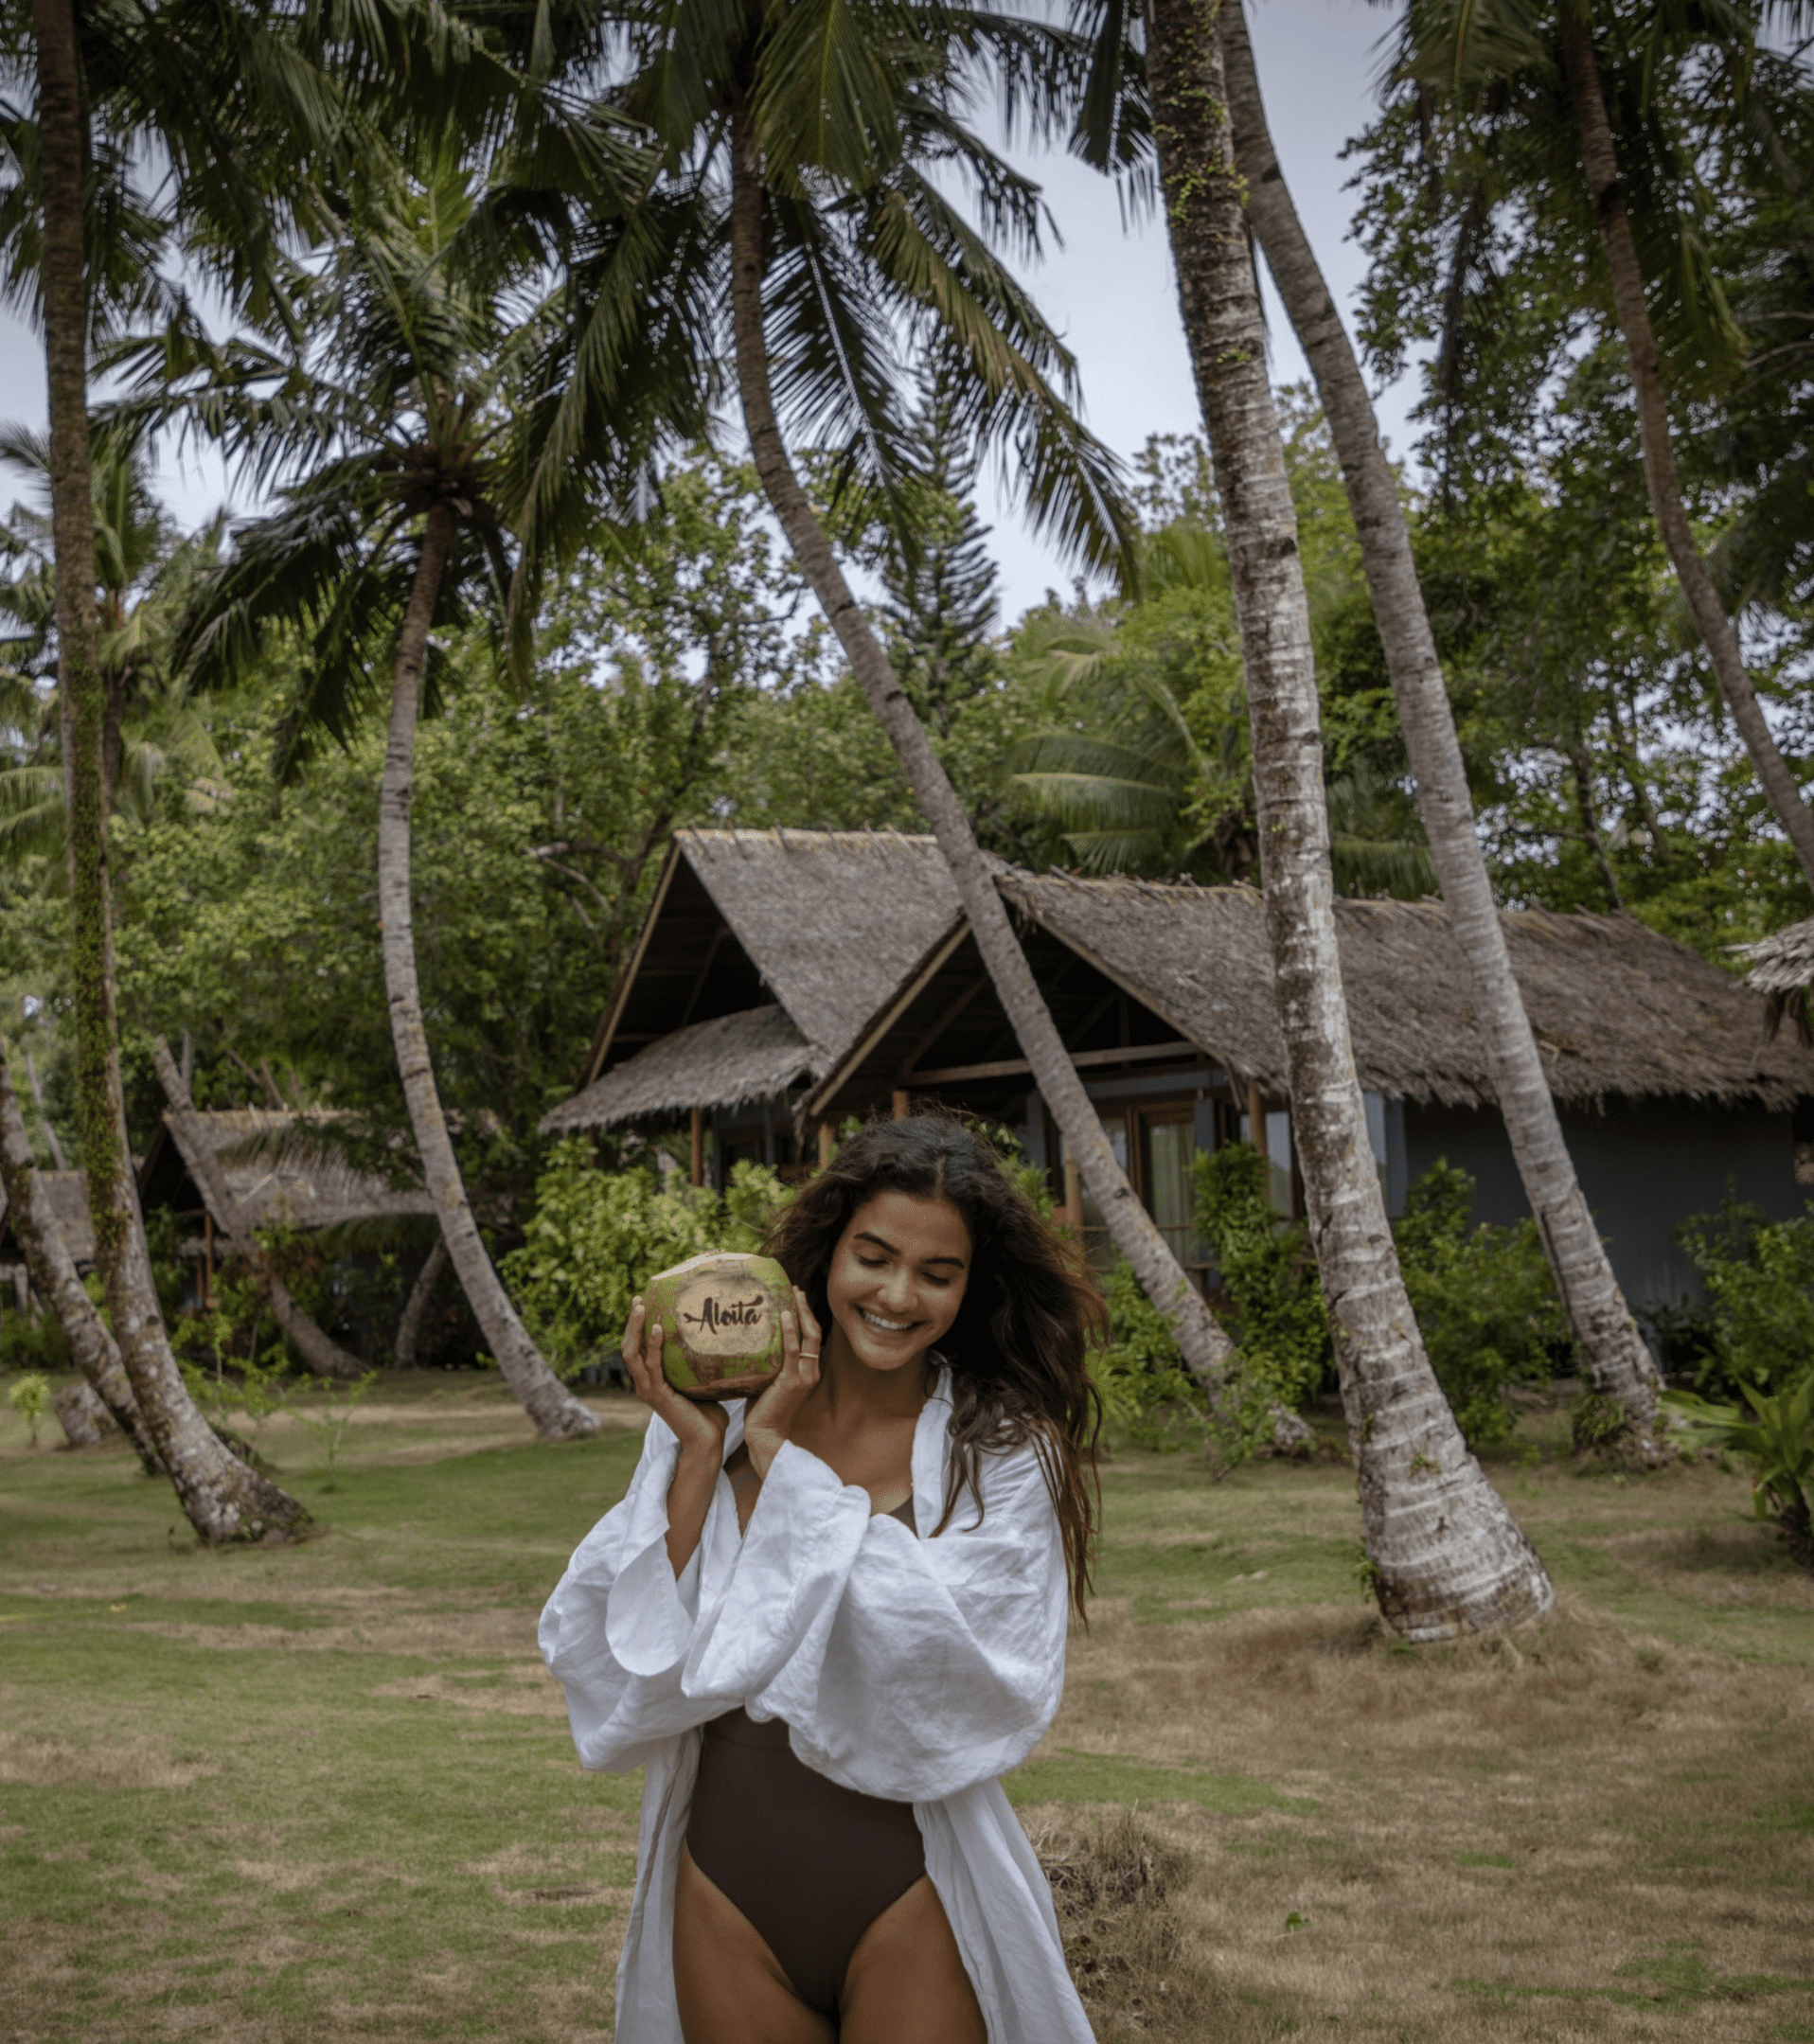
1154 1146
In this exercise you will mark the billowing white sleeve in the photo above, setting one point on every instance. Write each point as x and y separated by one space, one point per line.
906 1668
617 1630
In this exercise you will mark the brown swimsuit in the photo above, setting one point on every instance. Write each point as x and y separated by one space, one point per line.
809 1863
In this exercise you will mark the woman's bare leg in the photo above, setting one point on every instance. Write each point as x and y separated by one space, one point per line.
731 1986
906 1983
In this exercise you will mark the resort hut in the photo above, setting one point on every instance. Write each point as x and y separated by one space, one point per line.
1669 1089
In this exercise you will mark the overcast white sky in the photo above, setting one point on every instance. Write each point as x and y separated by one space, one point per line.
1111 293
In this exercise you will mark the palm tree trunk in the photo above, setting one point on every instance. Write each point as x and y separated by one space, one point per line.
1600 159
1206 1349
409 1328
1617 1360
1447 1556
558 1414
225 1499
53 1274
319 1353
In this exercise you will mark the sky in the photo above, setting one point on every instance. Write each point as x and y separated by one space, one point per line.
1109 291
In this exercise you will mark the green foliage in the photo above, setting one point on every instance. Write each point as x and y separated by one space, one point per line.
1276 1314
326 1405
28 1396
1148 1396
596 1237
32 1341
1758 1321
1485 1298
1775 1438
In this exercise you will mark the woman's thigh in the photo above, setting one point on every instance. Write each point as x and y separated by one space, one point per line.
730 1985
906 1983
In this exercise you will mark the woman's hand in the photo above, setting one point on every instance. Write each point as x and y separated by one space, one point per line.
698 1424
699 1427
769 1417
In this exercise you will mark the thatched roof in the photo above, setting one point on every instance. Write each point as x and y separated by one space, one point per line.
834 920
68 1196
294 1179
725 1063
1616 1008
757 932
1782 963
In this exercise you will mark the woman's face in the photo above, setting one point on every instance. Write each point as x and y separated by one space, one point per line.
897 1277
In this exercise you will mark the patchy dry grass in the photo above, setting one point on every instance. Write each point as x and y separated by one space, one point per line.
326 1791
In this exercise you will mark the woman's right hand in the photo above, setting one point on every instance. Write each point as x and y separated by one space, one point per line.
697 1426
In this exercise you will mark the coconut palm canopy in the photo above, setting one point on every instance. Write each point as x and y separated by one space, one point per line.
843 959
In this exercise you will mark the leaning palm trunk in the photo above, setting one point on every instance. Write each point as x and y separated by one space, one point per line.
1206 1349
1446 1554
558 1414
225 1499
1600 159
52 1271
1617 1360
409 1328
320 1354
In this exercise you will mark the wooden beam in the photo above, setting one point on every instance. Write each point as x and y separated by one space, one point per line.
944 1022
827 1144
1012 1067
699 1146
902 1108
1073 1194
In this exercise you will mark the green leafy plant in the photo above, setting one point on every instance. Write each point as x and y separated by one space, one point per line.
1147 1398
33 1341
1760 1317
596 1237
1485 1298
1776 1439
28 1396
326 1405
1275 1299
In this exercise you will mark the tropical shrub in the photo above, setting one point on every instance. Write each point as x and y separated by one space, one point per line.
33 1341
1148 1396
1276 1309
1775 1436
1757 1324
1485 1297
28 1396
596 1237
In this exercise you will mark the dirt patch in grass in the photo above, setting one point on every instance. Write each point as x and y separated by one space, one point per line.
123 1761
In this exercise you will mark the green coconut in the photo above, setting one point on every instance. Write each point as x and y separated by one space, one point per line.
720 1317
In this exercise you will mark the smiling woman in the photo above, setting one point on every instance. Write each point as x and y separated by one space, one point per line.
826 1621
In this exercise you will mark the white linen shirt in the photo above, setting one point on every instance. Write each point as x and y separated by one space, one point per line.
918 1669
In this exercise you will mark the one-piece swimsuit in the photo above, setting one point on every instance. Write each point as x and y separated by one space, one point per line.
811 1864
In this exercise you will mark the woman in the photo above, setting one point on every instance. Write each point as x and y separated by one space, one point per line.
826 1624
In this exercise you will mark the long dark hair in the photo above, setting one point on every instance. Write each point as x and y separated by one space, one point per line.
1017 1348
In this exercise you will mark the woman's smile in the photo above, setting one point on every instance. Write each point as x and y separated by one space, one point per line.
896 1280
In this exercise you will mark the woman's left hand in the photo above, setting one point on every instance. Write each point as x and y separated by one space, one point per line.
770 1417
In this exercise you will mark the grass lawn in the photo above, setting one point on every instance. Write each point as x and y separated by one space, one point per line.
326 1792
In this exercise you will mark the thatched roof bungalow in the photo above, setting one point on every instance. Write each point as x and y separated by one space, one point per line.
764 955
1668 1084
68 1197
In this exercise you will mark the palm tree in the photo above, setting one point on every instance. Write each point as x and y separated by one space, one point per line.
1553 50
1120 768
53 1275
1617 1360
798 138
152 733
1444 1553
396 413
189 77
